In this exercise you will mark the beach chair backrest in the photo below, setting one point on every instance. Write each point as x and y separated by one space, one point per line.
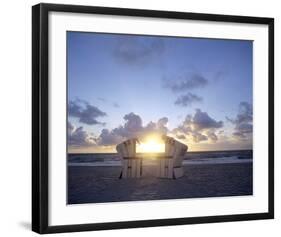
121 150
180 150
169 147
127 148
131 168
130 147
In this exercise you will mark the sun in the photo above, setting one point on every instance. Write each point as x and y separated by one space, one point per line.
151 145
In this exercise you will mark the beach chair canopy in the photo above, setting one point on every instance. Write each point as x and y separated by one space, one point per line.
175 149
127 148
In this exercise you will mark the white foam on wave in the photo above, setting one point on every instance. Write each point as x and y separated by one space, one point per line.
98 163
199 161
223 160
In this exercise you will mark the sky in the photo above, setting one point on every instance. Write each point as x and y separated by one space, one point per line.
120 86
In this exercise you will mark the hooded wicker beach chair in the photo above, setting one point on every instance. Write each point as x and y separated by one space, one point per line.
170 165
131 164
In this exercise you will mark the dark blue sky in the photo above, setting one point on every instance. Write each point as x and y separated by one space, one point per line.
152 77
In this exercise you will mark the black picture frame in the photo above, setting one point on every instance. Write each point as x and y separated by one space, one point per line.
40 98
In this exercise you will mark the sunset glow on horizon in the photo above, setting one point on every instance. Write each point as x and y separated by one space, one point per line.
151 145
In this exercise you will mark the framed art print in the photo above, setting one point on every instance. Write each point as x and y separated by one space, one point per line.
137 110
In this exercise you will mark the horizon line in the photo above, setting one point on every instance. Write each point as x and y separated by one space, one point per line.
70 153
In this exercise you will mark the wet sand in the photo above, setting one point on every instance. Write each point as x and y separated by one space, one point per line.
91 184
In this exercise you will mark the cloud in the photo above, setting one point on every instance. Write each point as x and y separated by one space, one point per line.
162 124
116 105
109 138
198 137
202 120
181 137
185 82
134 50
220 75
77 137
243 122
133 127
85 112
187 99
245 114
199 127
212 136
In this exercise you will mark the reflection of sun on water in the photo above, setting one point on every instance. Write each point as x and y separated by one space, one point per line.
151 145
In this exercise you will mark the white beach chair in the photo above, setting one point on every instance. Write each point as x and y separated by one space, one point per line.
165 163
131 165
170 165
179 152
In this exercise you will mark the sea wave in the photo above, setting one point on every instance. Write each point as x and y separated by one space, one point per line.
202 161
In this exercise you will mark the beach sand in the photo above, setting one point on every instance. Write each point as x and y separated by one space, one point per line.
90 184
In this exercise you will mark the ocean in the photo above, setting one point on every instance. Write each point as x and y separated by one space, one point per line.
204 157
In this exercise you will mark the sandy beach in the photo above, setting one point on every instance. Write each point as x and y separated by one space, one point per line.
92 184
